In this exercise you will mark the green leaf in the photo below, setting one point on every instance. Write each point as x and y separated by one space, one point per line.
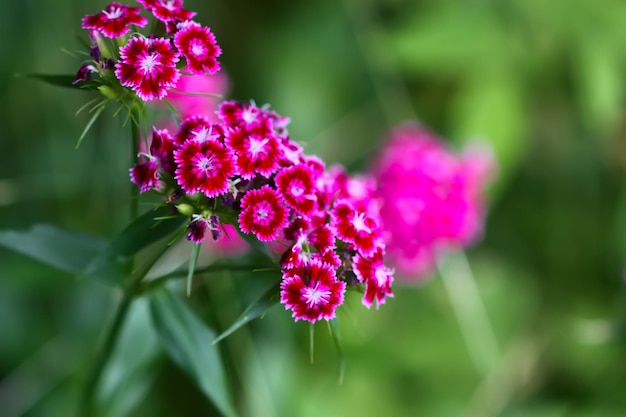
188 341
141 233
253 311
58 80
61 249
89 124
192 267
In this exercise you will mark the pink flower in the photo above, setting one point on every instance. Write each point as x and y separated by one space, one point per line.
431 198
356 227
196 229
256 154
162 148
145 174
167 10
296 186
115 20
376 277
148 66
312 293
197 44
190 126
203 166
262 213
189 104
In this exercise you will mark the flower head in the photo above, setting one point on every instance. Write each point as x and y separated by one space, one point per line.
145 174
312 293
442 207
262 213
256 154
296 185
197 44
203 166
115 20
148 66
168 10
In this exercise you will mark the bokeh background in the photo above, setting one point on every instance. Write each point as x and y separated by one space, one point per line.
542 81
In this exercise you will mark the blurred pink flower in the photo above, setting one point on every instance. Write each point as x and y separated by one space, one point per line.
190 105
431 199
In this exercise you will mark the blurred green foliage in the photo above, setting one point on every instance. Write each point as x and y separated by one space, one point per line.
542 81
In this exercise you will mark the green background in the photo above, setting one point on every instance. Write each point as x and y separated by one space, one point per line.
542 81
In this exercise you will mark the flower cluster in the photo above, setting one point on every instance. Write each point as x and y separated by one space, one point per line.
432 199
244 170
149 64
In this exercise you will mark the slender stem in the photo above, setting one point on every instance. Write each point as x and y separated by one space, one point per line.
87 398
134 149
469 309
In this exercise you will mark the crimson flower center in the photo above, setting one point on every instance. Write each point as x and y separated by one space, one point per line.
296 188
359 223
316 295
116 13
149 62
263 213
197 48
206 164
257 145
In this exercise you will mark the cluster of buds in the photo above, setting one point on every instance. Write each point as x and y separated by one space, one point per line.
149 65
245 171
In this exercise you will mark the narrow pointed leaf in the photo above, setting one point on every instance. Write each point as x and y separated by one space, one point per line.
58 80
192 267
188 341
255 310
89 124
61 249
141 233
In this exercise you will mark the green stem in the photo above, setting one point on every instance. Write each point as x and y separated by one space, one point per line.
134 149
87 398
469 309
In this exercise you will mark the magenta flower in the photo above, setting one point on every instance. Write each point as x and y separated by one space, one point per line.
115 20
145 174
256 154
203 166
312 293
197 44
190 126
296 186
431 198
376 277
162 148
148 66
262 213
356 227
197 229
167 10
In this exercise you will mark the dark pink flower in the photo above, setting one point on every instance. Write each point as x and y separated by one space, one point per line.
190 126
196 229
296 184
162 148
431 199
376 277
115 20
256 154
312 293
188 104
262 213
167 10
145 174
148 66
354 226
197 44
203 166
